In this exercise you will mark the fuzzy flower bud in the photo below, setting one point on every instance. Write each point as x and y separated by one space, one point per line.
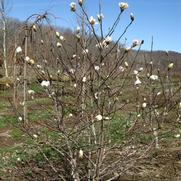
81 153
84 79
132 17
80 2
92 21
137 82
100 17
123 6
73 6
31 92
57 34
18 50
136 43
34 27
154 77
108 40
59 44
144 105
99 117
45 83
170 65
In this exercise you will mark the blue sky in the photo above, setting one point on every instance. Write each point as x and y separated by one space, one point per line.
158 18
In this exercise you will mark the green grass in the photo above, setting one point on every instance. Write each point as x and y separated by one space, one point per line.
9 158
37 88
16 134
39 115
8 120
39 101
4 104
5 93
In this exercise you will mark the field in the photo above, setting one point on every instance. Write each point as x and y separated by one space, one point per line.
131 136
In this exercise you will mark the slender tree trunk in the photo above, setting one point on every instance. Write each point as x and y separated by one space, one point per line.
15 79
4 47
25 80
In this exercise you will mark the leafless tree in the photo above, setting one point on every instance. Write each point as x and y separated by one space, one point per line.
3 15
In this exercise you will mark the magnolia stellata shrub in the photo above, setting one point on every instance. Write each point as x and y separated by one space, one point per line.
91 83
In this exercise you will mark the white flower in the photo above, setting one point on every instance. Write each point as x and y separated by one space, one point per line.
92 21
99 117
140 69
59 44
78 30
158 93
20 118
170 65
62 38
127 49
96 67
107 118
34 27
70 115
84 79
39 66
45 83
18 159
74 56
177 136
126 64
99 45
57 34
144 105
86 51
78 36
18 50
121 68
154 77
72 71
27 58
81 153
45 61
75 85
42 71
135 72
136 43
137 82
100 17
31 92
73 6
96 95
132 17
80 2
123 6
108 40
42 42
35 136
29 61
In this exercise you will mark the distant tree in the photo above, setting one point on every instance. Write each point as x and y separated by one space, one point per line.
4 8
